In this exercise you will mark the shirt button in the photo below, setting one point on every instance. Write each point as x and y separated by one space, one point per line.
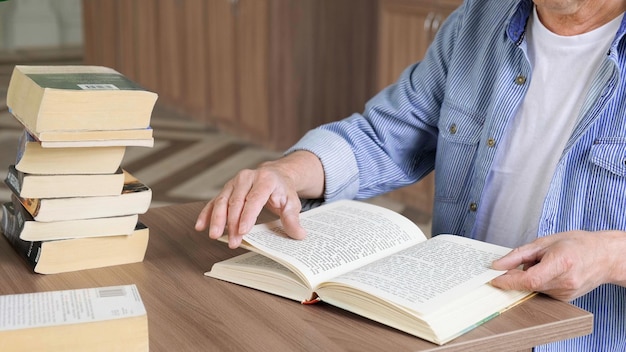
452 128
491 142
473 207
519 80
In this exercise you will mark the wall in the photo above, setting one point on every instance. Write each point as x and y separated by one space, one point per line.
263 70
40 24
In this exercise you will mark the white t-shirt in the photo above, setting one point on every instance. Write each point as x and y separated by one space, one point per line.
562 71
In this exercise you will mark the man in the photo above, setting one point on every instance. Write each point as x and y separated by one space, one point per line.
519 106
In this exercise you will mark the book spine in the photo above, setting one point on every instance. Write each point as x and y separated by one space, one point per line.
14 179
30 204
11 228
25 137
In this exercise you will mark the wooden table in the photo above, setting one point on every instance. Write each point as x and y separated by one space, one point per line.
190 312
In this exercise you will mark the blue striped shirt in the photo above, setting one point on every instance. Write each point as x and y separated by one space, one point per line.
442 111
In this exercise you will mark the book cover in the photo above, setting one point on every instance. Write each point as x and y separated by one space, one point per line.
137 137
134 199
27 185
77 98
31 230
111 318
32 157
66 255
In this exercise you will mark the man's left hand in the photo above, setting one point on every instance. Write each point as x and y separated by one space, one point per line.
565 265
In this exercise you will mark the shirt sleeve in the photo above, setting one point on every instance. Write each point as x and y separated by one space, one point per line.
392 143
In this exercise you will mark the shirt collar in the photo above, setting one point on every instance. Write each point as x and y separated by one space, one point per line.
517 24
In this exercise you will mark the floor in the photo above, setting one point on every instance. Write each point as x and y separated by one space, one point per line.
189 161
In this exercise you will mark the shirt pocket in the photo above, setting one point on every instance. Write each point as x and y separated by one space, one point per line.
610 154
601 195
459 135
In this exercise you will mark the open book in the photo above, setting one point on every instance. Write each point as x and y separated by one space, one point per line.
374 262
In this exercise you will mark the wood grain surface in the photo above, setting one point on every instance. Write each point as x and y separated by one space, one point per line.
190 312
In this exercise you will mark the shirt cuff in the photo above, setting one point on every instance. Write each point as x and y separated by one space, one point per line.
341 174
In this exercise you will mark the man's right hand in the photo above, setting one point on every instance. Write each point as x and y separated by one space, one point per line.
276 185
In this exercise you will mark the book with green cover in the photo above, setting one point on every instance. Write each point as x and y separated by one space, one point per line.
77 98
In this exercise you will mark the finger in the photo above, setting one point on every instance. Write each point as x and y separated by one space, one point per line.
291 224
542 277
218 213
512 280
522 281
256 199
290 218
235 205
278 197
234 241
285 203
527 254
201 221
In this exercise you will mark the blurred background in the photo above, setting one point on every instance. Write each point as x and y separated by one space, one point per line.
238 80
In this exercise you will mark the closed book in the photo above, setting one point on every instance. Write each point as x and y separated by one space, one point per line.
33 158
134 199
111 318
31 230
139 137
74 254
28 185
77 98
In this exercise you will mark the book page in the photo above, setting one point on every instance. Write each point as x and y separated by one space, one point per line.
262 273
428 275
40 309
341 236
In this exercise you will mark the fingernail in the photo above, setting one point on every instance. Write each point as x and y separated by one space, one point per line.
214 232
243 228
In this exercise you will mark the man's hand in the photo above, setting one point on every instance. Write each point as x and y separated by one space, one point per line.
565 265
276 185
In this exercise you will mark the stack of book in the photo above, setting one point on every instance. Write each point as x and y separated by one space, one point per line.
73 207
